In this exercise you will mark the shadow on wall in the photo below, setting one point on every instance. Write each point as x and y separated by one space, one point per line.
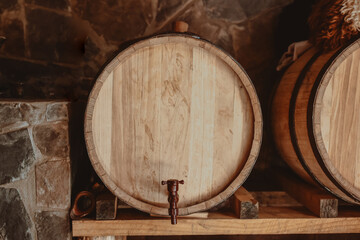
61 57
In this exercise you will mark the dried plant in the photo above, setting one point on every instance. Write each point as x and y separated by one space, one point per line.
333 23
351 10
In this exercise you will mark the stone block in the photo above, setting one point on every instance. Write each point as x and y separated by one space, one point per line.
55 39
19 115
130 21
23 79
167 8
13 30
253 8
7 4
17 156
52 139
228 10
14 220
53 4
253 44
9 114
53 184
56 112
52 225
33 113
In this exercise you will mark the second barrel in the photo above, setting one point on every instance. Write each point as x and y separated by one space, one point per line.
316 119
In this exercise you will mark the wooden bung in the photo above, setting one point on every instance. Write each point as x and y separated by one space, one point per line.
316 119
173 107
180 27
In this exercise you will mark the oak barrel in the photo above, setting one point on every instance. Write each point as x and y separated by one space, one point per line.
173 107
316 119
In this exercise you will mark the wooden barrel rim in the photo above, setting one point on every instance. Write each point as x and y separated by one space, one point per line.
255 146
293 136
314 107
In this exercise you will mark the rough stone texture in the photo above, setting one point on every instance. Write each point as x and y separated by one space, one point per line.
52 225
12 27
7 4
14 220
54 4
37 166
252 8
14 32
15 114
52 139
226 10
120 12
9 114
60 57
53 184
21 79
56 111
33 113
44 40
166 9
17 156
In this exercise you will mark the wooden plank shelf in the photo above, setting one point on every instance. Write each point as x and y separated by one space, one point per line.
271 220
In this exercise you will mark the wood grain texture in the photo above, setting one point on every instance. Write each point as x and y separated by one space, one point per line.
326 114
271 220
275 199
340 121
280 114
317 200
244 205
173 107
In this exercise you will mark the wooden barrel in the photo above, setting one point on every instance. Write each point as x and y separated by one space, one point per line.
316 119
173 107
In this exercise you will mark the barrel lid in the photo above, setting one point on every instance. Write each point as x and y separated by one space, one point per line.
336 117
173 107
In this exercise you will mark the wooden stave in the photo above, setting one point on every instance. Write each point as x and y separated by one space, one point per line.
312 167
255 146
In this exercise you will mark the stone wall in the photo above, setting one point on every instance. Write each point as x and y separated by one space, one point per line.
54 49
35 171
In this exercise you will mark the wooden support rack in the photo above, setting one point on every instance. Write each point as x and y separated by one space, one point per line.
275 213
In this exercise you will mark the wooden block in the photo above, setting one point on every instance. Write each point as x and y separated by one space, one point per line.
244 205
313 198
106 206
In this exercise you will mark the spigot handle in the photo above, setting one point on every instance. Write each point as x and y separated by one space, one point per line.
173 186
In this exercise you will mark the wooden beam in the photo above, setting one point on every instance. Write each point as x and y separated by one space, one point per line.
319 202
275 199
244 205
232 226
